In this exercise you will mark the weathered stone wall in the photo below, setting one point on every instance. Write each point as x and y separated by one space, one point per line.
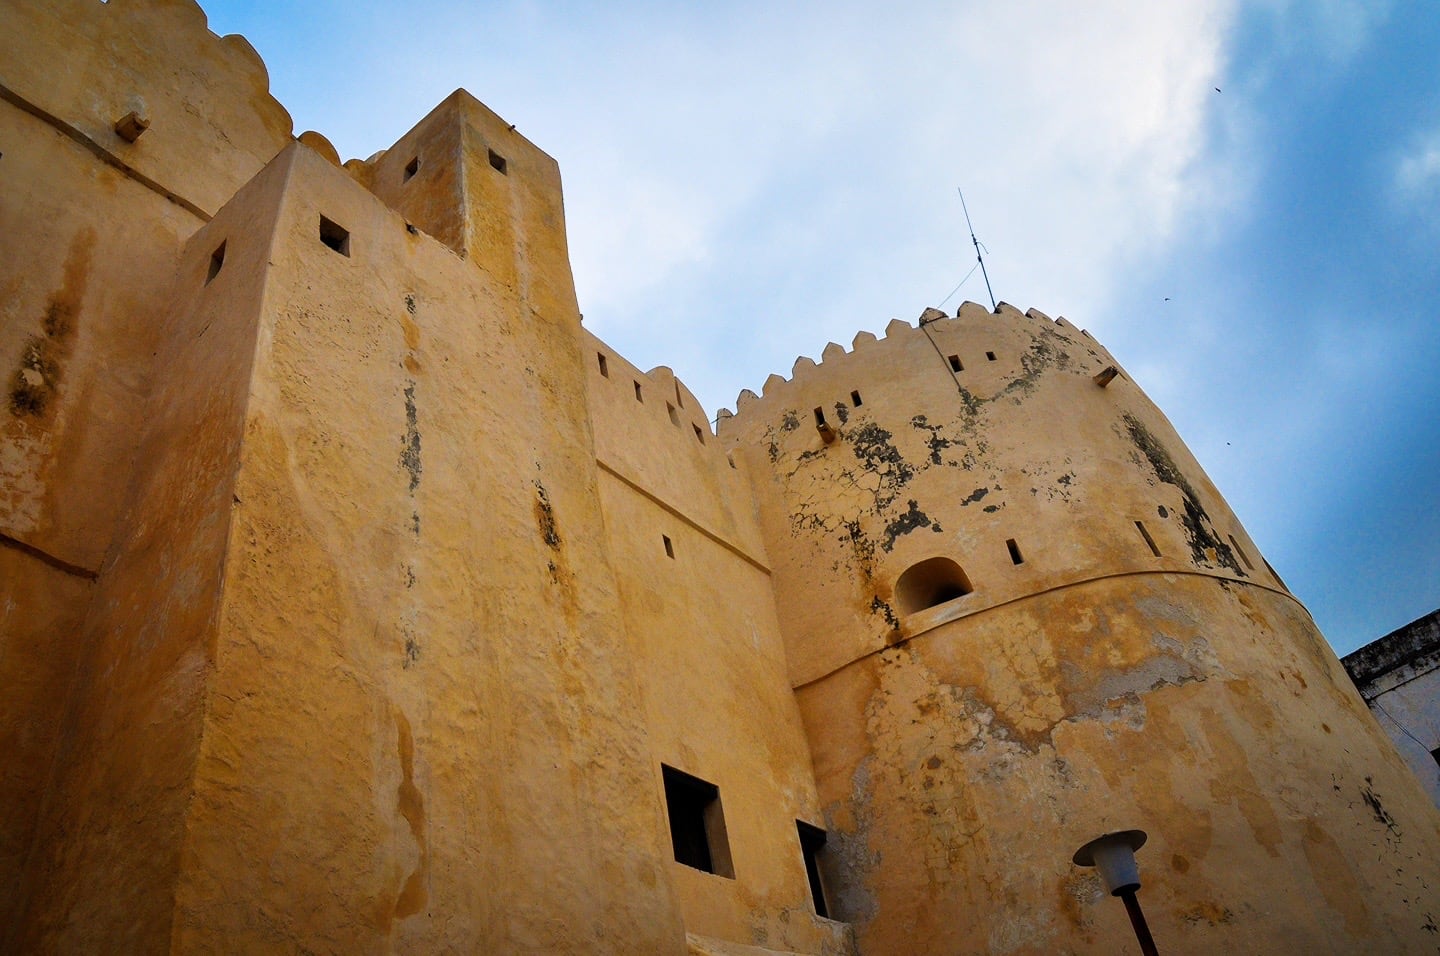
437 741
90 230
107 853
700 616
1399 677
1084 684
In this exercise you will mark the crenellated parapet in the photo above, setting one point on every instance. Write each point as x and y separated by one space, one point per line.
1006 444
104 74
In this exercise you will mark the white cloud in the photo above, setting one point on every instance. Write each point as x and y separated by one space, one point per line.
1417 172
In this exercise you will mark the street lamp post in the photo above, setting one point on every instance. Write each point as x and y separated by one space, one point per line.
1114 856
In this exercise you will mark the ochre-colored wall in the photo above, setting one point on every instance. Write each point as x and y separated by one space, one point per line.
964 751
703 632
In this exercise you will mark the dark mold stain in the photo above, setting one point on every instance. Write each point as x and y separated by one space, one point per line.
904 524
935 441
1206 547
545 517
410 444
410 303
36 381
412 652
842 412
1163 511
975 496
990 509
789 421
1372 800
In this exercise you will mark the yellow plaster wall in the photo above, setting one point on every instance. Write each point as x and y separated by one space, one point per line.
106 855
85 64
964 751
704 635
440 728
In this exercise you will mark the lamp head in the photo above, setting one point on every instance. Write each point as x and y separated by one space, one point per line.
1114 856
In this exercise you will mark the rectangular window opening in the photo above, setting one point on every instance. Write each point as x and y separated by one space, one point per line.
812 841
669 547
990 356
1241 551
335 236
497 162
638 396
819 416
699 433
1140 525
855 399
1015 557
604 365
678 400
955 365
217 259
697 823
674 417
411 168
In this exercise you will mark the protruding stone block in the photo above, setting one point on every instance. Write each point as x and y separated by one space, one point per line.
130 126
932 315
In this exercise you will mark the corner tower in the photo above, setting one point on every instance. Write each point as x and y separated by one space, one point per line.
1018 615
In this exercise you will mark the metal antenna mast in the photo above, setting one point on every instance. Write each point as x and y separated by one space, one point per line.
978 257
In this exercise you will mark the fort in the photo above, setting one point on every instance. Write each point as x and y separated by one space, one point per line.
355 598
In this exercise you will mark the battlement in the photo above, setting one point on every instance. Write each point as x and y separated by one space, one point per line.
835 359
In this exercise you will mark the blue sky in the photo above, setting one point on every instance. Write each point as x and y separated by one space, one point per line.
746 182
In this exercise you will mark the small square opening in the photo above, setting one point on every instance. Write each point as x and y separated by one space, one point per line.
411 168
674 416
855 399
819 416
697 823
497 162
669 546
699 433
1014 548
217 259
955 365
335 236
604 365
990 356
639 396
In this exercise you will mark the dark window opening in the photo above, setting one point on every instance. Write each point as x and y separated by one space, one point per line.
819 416
669 547
812 841
697 823
931 582
1015 557
855 399
604 365
497 162
1241 551
678 400
990 356
955 365
1140 525
638 396
411 168
217 259
335 236
674 418
699 433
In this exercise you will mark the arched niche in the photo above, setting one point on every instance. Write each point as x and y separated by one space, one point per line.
929 583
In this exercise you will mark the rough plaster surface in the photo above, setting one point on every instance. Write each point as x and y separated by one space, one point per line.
352 596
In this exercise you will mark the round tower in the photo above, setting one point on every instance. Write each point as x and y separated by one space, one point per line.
1018 615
